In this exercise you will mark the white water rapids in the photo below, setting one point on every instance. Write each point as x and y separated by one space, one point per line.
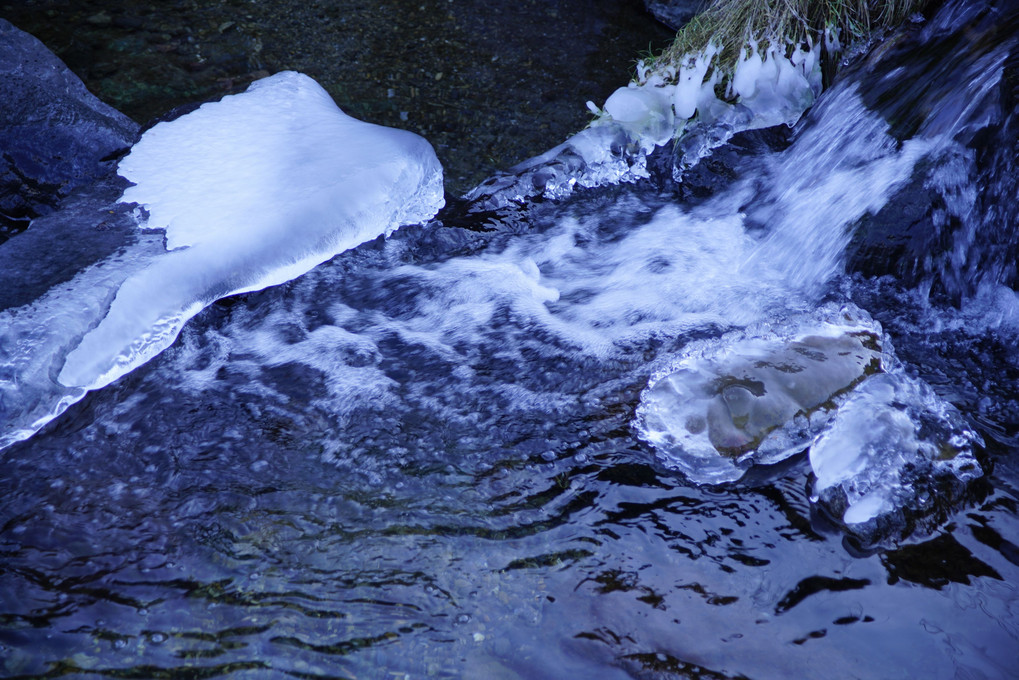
261 187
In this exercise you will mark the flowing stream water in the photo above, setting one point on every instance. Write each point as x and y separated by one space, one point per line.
423 458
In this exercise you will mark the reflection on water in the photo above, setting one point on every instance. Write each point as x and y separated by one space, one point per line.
526 568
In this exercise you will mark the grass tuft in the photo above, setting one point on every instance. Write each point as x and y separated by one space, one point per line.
733 24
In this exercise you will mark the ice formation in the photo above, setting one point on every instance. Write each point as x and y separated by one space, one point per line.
885 450
768 87
241 194
890 443
757 396
251 191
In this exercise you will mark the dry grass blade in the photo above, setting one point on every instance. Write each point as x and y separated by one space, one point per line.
733 24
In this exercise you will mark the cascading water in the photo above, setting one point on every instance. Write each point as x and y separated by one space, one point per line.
460 452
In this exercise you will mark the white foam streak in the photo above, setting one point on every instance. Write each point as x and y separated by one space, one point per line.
844 166
596 291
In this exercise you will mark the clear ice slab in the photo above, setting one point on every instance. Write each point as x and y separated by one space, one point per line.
886 452
895 452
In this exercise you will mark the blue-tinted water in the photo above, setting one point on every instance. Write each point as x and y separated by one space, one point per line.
420 459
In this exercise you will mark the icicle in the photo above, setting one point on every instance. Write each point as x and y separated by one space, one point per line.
691 78
748 71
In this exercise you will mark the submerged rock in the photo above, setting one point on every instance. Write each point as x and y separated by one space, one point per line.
55 135
674 13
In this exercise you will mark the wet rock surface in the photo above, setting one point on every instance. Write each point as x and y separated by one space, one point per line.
674 13
943 226
731 161
489 84
54 134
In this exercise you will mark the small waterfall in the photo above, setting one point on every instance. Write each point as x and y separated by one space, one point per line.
951 229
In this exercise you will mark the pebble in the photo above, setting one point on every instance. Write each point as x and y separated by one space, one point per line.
100 19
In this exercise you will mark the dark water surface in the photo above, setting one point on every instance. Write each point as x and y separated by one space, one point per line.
489 84
320 481
419 459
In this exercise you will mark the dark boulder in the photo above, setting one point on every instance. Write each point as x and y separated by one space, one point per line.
951 226
54 134
91 220
674 13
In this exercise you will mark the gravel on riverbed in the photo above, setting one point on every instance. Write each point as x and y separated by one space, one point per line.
488 83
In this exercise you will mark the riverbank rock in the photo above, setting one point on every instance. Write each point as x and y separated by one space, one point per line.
674 13
944 225
54 134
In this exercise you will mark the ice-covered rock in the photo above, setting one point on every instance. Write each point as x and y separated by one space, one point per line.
777 88
756 396
252 191
886 451
244 193
894 451
666 101
54 134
